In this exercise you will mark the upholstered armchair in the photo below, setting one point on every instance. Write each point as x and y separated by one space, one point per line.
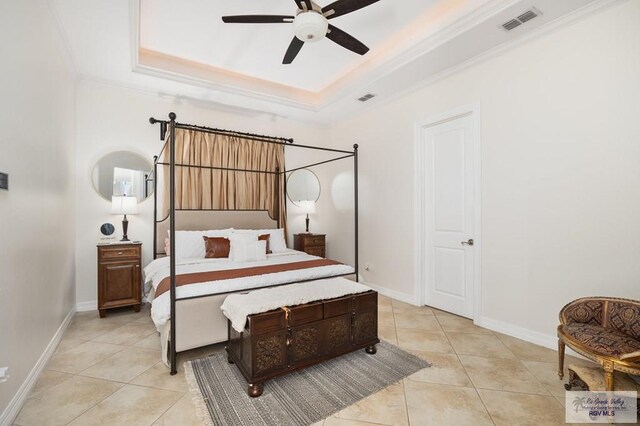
605 330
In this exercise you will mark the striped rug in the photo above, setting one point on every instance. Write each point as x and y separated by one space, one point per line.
300 398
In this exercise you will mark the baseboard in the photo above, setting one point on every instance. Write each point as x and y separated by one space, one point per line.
11 412
91 305
402 297
541 339
549 341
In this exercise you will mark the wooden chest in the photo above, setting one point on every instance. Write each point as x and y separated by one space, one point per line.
287 339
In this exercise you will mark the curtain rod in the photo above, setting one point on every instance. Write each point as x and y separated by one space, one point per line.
260 138
186 126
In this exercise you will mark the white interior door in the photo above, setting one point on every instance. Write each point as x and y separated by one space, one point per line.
449 216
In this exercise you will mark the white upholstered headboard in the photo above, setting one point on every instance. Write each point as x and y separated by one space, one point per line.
203 220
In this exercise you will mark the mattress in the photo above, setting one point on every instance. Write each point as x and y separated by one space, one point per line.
158 270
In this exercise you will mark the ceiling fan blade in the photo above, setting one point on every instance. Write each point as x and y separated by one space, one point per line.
345 40
293 50
342 7
306 3
257 19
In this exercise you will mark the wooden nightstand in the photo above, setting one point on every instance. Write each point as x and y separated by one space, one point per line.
313 244
119 276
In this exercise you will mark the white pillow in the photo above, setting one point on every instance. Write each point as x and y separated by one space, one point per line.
190 244
243 250
276 237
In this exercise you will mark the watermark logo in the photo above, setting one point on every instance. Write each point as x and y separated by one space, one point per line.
601 407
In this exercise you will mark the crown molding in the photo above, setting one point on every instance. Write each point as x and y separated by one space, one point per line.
350 83
177 98
548 28
357 80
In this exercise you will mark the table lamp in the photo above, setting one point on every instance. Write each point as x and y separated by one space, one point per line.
308 207
122 204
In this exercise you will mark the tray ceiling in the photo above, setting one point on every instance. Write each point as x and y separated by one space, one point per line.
182 49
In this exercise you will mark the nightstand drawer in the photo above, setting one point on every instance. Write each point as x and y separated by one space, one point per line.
119 253
315 251
314 241
313 244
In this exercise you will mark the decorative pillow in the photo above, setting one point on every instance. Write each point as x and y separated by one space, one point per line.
216 247
266 238
277 242
248 251
276 237
190 245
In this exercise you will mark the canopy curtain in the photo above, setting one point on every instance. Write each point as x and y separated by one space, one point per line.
206 189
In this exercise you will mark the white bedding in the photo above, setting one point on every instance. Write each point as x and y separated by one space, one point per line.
237 307
158 270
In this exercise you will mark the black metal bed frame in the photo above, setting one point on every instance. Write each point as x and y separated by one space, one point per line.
171 125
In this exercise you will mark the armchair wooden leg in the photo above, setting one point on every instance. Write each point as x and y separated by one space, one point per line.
608 376
561 346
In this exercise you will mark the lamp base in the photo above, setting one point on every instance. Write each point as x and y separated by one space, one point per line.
125 227
307 223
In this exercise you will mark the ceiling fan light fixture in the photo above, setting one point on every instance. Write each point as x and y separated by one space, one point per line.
310 26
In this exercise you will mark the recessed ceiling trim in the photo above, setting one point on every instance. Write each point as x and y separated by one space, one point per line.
351 83
549 27
360 79
166 66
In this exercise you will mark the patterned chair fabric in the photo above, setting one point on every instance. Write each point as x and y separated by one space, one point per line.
601 340
588 312
625 319
603 329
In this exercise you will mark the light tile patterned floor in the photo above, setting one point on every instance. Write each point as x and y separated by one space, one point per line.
107 371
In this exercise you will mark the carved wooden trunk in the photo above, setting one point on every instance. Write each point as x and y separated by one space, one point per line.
276 342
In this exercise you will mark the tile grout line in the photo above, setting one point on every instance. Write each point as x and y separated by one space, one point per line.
98 402
475 388
124 384
406 405
94 405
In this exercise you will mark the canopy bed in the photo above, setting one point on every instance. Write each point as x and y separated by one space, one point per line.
234 184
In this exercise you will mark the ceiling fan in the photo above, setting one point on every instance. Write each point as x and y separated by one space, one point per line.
311 24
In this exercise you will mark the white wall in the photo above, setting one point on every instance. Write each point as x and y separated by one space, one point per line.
37 149
560 171
112 119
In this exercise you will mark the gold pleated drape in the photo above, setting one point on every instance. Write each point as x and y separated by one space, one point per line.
206 189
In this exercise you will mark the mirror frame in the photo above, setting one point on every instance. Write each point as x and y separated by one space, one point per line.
137 154
314 175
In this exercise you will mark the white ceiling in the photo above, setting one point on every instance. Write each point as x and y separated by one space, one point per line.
194 31
181 48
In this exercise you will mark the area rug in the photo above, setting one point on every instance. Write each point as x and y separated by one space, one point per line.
300 398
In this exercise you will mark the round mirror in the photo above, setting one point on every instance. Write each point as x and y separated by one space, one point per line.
122 173
303 185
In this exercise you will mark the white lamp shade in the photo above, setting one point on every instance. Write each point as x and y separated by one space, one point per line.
124 205
307 206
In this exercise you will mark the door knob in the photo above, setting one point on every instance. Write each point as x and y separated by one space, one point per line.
469 242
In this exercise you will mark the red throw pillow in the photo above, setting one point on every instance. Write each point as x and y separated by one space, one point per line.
216 247
265 237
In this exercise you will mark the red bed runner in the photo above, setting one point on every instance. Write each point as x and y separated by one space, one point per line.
227 274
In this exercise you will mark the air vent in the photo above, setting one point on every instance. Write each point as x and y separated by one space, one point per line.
366 97
527 16
521 19
511 24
